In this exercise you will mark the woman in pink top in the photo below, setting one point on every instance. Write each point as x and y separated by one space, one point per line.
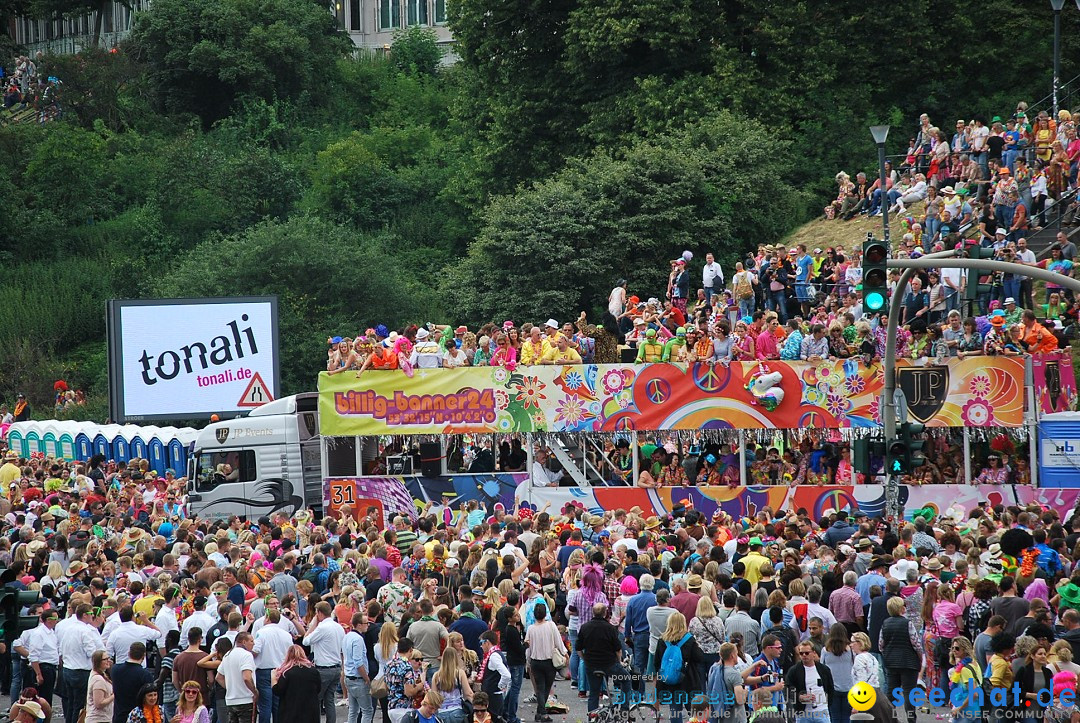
505 355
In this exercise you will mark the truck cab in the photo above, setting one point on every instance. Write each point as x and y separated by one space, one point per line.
259 464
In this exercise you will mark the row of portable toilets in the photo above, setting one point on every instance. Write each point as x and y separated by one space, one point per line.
164 447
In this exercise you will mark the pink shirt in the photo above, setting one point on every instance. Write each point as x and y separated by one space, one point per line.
766 345
945 614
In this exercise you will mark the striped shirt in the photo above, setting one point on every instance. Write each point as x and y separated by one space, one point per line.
405 540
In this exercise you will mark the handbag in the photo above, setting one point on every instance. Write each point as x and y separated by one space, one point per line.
558 655
379 689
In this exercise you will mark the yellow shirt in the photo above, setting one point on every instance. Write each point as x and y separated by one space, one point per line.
145 605
532 354
753 562
9 473
570 356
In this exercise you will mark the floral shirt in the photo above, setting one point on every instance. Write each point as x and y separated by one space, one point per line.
397 674
394 598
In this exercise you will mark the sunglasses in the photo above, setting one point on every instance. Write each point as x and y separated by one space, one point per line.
191 691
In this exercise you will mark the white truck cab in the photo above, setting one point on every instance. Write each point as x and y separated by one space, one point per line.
259 464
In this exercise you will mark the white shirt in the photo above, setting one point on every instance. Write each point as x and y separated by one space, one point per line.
110 624
497 665
166 621
198 619
978 138
271 644
426 355
120 640
543 477
232 668
616 303
820 703
325 641
285 624
42 645
951 278
220 560
710 274
1027 256
65 626
78 642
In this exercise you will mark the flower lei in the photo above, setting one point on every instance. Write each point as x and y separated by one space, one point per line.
1027 563
484 665
152 714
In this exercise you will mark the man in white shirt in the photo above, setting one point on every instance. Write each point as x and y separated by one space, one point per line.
272 641
287 621
43 652
78 641
237 670
953 281
712 277
357 679
541 475
495 674
325 637
198 619
166 618
1024 255
426 353
812 685
133 628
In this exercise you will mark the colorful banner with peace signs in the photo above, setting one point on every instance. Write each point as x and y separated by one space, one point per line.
974 392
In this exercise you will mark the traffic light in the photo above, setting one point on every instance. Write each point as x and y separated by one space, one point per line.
864 452
905 452
12 622
974 289
875 280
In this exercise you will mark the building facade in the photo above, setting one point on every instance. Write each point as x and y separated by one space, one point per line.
369 23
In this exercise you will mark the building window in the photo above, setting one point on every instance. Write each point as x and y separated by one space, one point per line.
418 12
440 12
354 16
388 15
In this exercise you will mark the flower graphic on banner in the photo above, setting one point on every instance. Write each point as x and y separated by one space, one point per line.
977 413
875 410
539 421
570 412
837 405
502 399
500 375
529 392
613 381
980 386
854 384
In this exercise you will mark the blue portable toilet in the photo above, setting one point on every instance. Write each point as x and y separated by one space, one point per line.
33 442
138 447
121 450
156 453
84 447
17 440
1059 450
178 457
102 446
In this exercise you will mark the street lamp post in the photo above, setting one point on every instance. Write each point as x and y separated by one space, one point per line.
1057 5
880 133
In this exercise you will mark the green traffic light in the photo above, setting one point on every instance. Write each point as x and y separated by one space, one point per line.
897 467
874 300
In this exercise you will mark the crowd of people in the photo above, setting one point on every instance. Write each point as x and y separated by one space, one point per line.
147 614
27 86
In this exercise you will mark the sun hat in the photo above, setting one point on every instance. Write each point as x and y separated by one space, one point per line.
934 565
652 523
1004 171
996 320
422 334
551 323
754 542
461 329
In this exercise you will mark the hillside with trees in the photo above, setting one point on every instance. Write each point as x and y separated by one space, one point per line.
237 147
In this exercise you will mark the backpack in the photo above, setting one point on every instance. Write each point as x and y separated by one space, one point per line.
744 289
784 633
317 577
671 665
802 615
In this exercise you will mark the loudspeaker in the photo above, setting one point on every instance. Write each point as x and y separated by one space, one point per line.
627 355
430 459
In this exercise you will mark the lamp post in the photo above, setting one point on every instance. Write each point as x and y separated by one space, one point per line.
1057 5
880 133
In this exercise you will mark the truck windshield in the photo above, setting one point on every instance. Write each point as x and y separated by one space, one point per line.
218 468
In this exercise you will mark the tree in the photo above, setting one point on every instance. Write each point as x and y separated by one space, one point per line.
416 50
558 247
204 55
328 280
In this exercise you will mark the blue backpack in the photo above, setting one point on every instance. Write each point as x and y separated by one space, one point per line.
671 665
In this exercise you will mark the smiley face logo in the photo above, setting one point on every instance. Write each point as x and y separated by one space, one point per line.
862 697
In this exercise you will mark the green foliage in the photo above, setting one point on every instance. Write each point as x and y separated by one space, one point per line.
205 55
557 247
326 276
416 50
102 87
